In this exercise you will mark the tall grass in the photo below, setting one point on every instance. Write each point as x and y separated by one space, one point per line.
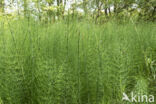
75 63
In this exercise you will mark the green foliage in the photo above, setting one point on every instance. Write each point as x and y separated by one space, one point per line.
75 63
50 2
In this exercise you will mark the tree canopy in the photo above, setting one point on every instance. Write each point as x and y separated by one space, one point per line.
97 10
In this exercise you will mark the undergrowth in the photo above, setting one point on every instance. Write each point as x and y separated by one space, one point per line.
75 63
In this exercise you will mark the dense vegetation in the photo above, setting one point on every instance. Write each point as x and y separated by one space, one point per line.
77 63
58 56
96 10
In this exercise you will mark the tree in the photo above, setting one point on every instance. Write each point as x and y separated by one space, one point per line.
50 2
85 2
148 9
116 4
25 5
59 2
2 5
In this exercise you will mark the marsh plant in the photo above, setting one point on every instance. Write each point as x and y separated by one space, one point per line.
76 62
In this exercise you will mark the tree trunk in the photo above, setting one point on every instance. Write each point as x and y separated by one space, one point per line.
2 6
109 11
25 8
153 13
106 13
64 7
58 10
85 6
39 12
65 2
59 2
99 9
115 7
